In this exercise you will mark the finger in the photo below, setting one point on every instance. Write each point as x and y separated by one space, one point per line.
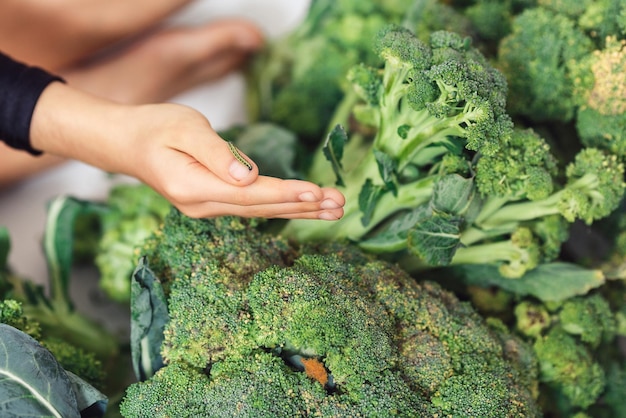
186 181
302 210
194 183
219 162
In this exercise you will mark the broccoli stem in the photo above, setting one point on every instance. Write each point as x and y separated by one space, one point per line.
529 210
350 226
490 253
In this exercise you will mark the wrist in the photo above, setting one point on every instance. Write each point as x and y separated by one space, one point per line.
72 124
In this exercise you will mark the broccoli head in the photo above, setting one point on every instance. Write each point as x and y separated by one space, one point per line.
326 330
601 85
133 212
536 58
428 100
570 340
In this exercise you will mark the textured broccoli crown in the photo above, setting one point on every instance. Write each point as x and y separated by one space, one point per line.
327 320
333 333
11 313
206 266
236 245
595 186
601 85
536 58
524 169
569 367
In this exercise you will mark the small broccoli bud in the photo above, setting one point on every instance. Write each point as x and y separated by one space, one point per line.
531 319
524 169
366 83
601 84
399 47
569 367
589 317
595 186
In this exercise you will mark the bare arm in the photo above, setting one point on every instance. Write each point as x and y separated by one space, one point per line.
173 149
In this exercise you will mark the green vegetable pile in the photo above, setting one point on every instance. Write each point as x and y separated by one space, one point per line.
480 267
261 329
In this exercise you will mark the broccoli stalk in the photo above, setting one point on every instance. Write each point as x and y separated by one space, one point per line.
429 101
523 217
435 173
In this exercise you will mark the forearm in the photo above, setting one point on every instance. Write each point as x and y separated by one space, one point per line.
71 124
57 33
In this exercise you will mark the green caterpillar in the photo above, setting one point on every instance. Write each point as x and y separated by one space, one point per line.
238 155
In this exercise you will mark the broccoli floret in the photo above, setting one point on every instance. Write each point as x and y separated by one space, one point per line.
569 367
570 343
134 212
536 58
594 189
329 331
601 82
590 318
73 358
524 217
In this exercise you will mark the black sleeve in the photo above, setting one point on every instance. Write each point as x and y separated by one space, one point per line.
20 88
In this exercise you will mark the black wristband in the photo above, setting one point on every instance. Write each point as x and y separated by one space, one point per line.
20 89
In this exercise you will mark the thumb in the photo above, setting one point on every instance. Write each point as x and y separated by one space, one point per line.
189 131
241 168
226 161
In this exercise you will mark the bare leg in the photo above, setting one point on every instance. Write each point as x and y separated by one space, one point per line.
168 62
18 165
57 33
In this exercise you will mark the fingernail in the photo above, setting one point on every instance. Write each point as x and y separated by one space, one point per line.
238 171
327 216
308 197
329 204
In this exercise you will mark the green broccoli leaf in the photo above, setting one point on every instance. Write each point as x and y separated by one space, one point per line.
394 237
59 239
549 282
148 318
387 168
333 150
435 239
33 383
368 197
453 194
